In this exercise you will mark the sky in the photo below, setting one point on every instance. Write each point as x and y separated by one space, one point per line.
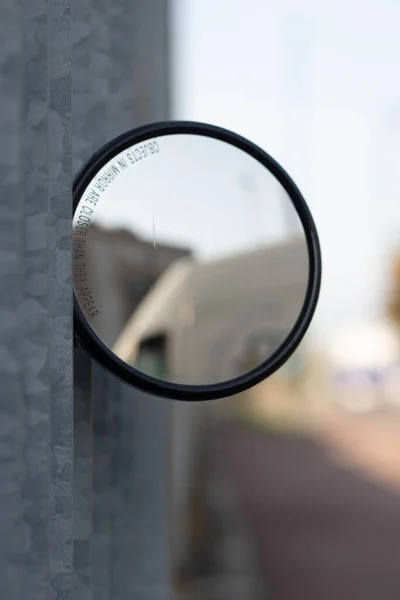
195 192
314 83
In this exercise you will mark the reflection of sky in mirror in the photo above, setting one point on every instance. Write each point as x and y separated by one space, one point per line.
198 192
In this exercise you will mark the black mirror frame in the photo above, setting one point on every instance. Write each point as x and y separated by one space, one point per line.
85 334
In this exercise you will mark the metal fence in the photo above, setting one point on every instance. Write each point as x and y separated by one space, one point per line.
82 477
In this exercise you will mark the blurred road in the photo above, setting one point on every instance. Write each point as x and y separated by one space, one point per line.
322 529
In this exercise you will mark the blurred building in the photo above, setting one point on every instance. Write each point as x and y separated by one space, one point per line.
122 267
394 299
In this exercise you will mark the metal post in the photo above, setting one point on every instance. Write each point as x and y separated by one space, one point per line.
111 529
35 302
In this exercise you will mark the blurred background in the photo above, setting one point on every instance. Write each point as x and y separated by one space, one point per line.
292 490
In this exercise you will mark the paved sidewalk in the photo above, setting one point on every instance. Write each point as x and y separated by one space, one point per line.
322 531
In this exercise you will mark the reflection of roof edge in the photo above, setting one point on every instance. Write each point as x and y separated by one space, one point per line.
269 249
169 282
119 232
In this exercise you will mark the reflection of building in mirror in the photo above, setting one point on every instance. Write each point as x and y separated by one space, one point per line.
121 267
208 322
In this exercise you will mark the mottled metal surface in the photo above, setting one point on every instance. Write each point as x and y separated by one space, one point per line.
60 300
82 147
83 466
102 528
139 545
35 302
14 533
119 474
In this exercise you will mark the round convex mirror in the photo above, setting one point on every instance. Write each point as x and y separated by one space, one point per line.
196 262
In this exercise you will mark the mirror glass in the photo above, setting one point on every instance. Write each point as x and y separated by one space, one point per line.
190 262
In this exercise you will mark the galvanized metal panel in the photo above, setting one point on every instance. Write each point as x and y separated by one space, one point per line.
13 531
82 147
83 465
139 526
60 298
36 436
35 313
